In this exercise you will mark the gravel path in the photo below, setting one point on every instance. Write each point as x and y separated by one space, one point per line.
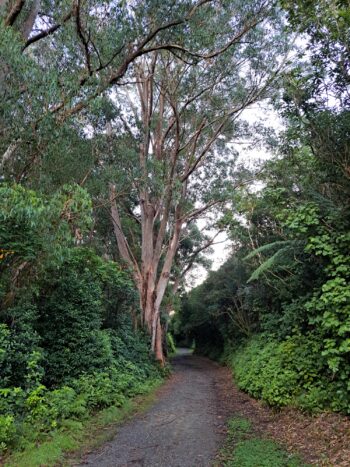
182 429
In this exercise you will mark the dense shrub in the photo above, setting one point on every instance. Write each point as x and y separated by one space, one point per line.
40 410
70 324
68 346
288 372
19 345
7 431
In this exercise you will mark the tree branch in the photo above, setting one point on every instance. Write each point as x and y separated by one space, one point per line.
47 32
14 12
122 243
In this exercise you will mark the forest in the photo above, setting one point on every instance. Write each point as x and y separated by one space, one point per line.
126 131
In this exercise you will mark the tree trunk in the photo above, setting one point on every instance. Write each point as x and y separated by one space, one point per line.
158 351
147 298
20 14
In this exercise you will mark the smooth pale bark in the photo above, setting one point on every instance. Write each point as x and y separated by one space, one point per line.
150 286
174 144
150 289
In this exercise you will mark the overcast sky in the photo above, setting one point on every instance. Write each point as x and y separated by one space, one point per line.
251 158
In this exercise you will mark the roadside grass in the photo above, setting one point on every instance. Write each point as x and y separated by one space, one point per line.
243 448
66 446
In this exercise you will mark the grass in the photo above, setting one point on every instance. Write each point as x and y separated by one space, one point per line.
244 449
66 446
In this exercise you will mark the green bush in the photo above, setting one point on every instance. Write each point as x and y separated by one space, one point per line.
100 390
70 324
12 401
129 348
30 413
45 410
290 372
19 346
67 342
263 371
7 431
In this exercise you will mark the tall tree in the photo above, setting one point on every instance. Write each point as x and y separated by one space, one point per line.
179 111
171 79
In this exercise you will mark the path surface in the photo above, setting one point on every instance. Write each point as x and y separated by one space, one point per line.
182 429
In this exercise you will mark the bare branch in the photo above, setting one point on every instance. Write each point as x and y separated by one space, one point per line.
199 250
123 246
197 212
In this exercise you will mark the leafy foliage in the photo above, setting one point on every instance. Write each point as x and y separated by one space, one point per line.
286 373
68 346
291 241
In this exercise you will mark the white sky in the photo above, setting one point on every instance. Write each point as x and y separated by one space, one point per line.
250 158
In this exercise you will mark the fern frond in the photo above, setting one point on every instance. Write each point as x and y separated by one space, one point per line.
269 263
267 247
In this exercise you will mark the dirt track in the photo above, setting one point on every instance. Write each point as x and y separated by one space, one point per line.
182 429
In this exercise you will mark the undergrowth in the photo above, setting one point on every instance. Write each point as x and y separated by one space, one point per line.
287 373
67 444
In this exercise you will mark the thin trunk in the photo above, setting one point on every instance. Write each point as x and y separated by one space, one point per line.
122 243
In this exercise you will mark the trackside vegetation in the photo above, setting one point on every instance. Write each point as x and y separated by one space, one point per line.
278 311
68 343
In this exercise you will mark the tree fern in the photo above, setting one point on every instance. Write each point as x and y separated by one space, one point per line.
267 247
269 263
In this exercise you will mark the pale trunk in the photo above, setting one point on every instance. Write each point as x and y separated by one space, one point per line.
157 331
147 300
158 351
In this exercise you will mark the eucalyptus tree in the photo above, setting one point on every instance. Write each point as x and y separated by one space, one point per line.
58 59
179 110
172 78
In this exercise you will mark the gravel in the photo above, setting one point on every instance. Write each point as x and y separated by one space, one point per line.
182 429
